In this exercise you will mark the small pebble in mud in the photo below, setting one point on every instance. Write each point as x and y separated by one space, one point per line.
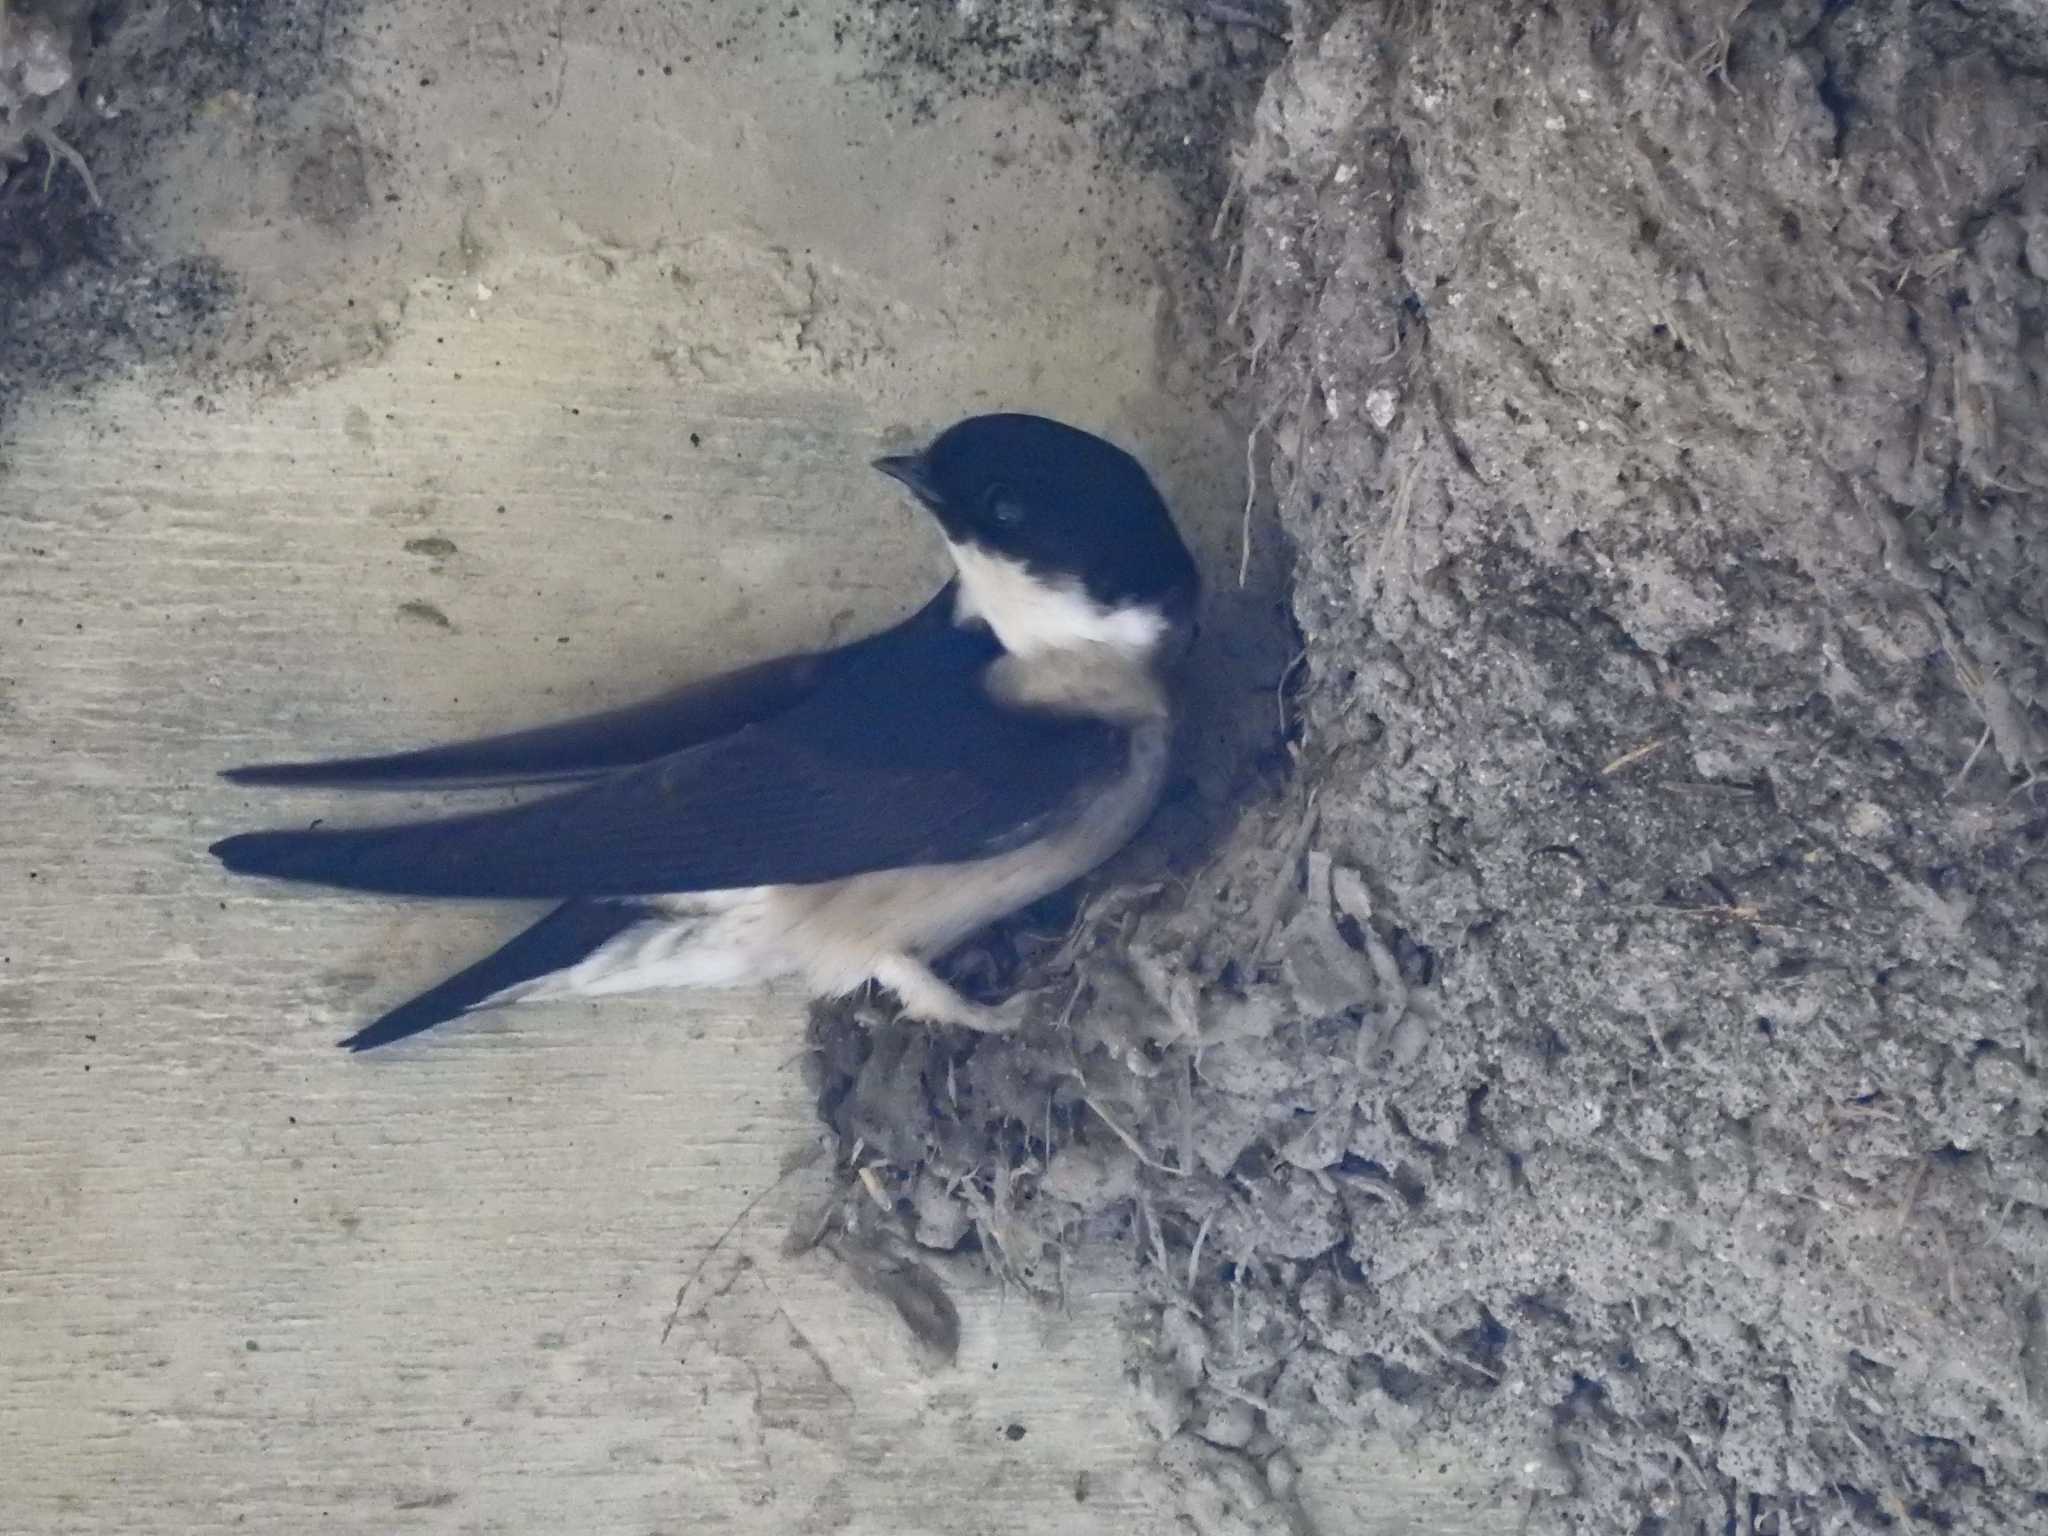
434 547
1014 1433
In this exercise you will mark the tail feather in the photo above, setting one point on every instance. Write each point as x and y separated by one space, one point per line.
565 936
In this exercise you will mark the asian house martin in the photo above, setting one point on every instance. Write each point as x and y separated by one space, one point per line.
841 816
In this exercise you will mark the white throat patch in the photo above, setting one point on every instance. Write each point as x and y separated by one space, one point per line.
1032 616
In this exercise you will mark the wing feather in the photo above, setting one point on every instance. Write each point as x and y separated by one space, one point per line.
901 758
595 744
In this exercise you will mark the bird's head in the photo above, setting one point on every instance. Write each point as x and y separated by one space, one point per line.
1061 539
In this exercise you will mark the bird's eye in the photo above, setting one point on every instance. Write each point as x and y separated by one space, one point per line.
1001 504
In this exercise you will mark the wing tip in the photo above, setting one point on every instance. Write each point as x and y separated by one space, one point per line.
248 853
341 771
229 849
302 856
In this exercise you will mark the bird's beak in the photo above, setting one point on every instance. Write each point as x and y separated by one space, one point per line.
910 469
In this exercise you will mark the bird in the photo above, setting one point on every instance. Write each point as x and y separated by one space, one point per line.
842 816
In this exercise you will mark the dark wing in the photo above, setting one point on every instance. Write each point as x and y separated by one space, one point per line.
898 758
594 744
